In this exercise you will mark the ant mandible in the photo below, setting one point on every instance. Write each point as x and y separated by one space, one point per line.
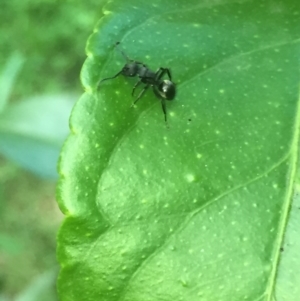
164 89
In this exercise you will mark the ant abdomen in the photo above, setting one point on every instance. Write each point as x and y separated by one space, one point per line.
167 89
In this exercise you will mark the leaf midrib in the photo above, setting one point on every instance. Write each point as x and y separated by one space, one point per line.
287 203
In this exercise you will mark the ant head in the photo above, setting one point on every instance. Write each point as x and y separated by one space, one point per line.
167 89
130 69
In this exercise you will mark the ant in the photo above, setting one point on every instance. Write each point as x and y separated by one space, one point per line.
163 89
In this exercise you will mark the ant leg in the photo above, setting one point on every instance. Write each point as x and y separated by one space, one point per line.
140 63
162 71
104 79
169 73
140 95
135 86
163 105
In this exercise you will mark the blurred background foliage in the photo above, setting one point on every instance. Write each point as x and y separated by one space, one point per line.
41 53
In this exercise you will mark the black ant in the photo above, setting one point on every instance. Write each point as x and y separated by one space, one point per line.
163 89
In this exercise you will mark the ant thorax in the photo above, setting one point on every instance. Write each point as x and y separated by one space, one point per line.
147 76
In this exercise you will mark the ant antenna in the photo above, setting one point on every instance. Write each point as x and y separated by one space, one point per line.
126 58
104 79
122 52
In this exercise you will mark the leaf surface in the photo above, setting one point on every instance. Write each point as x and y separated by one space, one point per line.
197 210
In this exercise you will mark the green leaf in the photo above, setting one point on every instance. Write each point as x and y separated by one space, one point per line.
32 132
199 210
8 77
